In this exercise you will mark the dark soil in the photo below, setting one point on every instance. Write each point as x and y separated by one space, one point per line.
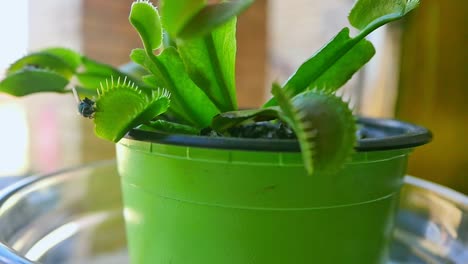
266 130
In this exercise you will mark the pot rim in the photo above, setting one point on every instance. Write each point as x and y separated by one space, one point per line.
384 134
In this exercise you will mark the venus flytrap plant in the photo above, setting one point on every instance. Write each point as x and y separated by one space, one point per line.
145 18
189 51
298 120
122 106
167 68
185 19
329 127
31 80
334 64
56 70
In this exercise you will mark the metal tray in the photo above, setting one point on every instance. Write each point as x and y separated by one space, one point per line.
75 216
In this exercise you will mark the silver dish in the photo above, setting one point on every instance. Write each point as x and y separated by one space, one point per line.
74 216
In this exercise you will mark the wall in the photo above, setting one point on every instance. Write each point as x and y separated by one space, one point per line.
433 89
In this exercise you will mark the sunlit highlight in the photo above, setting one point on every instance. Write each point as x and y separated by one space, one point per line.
14 140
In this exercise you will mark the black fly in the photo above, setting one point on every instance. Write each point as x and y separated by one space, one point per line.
86 107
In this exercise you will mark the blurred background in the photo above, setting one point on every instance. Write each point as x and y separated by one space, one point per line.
419 74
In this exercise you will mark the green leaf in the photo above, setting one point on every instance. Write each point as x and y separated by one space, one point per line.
71 57
85 92
324 126
189 103
230 119
337 61
168 41
145 19
90 80
92 66
332 66
334 126
305 132
31 80
94 73
140 57
367 15
150 80
177 13
133 70
43 60
345 67
212 16
121 106
210 62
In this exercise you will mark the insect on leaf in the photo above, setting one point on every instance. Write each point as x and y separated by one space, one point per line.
122 106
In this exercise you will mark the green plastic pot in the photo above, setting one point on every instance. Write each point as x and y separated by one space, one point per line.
199 200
